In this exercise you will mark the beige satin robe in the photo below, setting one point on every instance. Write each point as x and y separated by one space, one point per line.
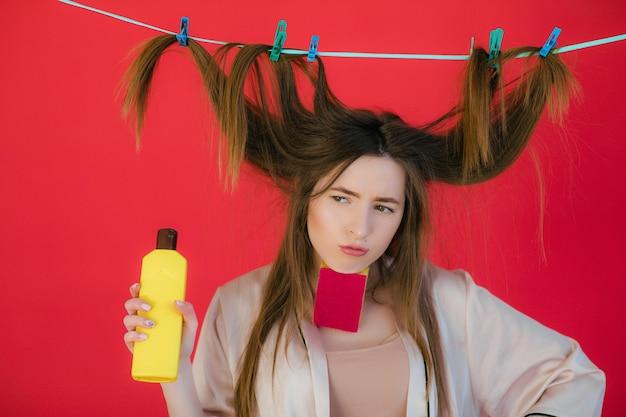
499 362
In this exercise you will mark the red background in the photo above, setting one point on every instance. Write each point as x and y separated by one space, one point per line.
80 208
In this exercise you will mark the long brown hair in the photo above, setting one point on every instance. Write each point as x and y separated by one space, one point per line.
296 146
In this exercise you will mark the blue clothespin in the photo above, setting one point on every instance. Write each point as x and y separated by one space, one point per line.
313 48
545 50
279 40
183 40
495 41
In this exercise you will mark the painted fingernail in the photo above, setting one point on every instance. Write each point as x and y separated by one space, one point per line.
145 306
179 302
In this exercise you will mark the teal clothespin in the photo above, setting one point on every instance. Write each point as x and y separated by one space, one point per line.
279 40
182 36
315 39
550 43
495 42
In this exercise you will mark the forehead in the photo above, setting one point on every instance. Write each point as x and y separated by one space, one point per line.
371 175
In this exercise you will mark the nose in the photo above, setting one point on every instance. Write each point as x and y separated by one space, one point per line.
361 224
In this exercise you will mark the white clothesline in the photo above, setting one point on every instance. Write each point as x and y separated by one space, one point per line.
558 50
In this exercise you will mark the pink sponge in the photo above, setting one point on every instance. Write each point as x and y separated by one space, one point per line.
339 299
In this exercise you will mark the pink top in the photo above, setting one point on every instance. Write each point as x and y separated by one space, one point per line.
371 381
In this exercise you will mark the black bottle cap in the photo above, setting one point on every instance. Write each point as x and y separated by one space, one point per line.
166 239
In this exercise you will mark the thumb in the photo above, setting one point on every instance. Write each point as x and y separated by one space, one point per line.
188 313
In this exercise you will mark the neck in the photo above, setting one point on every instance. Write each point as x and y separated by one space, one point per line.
373 277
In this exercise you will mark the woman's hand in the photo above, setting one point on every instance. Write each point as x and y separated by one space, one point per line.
132 321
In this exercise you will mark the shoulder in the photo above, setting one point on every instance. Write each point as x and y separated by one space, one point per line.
450 287
451 291
226 327
456 294
242 296
248 286
471 310
240 302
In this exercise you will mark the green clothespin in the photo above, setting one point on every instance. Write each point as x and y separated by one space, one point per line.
279 40
495 41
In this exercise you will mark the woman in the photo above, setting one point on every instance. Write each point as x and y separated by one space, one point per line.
430 341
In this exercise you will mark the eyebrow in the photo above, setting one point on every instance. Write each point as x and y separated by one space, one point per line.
381 199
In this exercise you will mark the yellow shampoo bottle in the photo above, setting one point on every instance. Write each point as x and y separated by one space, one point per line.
163 281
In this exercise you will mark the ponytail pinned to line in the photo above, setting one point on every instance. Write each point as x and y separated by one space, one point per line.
135 82
496 121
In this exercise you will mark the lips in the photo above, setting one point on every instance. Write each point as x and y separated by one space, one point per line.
354 250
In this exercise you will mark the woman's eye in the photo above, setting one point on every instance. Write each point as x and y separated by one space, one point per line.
385 207
389 210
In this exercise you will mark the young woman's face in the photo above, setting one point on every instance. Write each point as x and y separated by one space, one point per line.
357 210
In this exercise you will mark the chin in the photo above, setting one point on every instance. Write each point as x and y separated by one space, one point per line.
347 267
